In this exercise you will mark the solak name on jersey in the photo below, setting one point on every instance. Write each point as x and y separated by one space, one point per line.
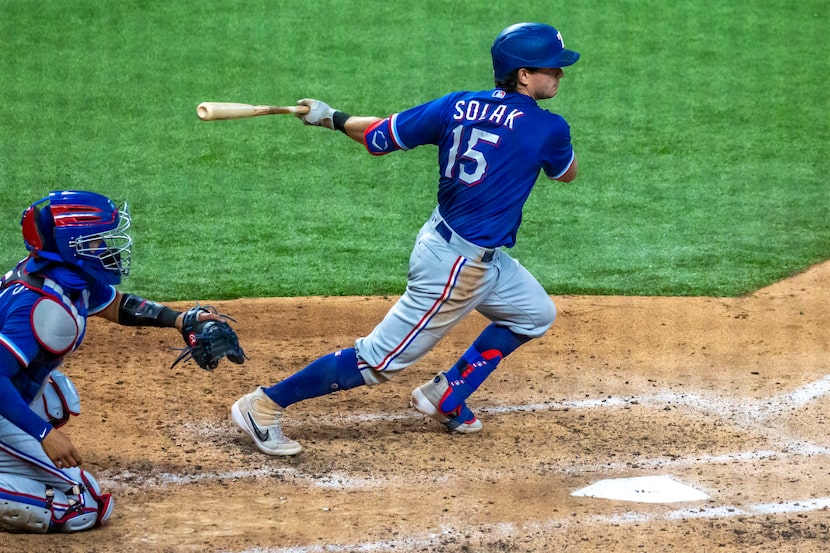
475 110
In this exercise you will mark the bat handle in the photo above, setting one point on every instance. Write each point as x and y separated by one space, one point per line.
275 110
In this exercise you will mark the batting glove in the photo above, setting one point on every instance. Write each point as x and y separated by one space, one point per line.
320 114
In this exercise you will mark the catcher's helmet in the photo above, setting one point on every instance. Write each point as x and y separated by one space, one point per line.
83 229
529 45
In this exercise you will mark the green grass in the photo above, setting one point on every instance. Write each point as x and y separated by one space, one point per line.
701 129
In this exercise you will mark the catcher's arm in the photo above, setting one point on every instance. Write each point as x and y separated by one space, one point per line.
132 310
207 335
60 450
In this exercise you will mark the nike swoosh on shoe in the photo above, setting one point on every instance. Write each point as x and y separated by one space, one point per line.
262 435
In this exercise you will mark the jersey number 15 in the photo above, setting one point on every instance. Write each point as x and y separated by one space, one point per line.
471 165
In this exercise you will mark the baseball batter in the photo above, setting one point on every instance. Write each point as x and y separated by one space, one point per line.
492 146
79 250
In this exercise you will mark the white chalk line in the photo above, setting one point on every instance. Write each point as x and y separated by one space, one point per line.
711 404
791 449
502 531
130 479
740 411
339 481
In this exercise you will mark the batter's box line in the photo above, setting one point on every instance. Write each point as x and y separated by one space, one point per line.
752 410
727 407
713 404
748 411
490 533
790 449
131 480
723 511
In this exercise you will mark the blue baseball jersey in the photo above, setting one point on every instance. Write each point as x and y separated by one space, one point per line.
24 361
492 146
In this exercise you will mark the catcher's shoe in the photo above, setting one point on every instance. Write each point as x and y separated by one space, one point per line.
259 417
427 399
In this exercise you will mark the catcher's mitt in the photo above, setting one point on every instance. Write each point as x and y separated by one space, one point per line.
208 341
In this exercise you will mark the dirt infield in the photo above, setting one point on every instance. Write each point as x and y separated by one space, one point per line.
728 396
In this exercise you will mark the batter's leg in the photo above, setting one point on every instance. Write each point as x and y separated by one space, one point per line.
520 310
442 289
444 397
259 413
469 372
328 374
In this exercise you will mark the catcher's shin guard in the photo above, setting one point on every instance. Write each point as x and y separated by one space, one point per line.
30 506
23 516
103 500
87 506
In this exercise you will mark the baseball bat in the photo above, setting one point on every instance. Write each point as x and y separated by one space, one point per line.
215 111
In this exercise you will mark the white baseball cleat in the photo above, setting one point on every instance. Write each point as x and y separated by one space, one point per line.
259 417
427 399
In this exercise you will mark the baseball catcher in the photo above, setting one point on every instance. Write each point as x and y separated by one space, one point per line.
79 250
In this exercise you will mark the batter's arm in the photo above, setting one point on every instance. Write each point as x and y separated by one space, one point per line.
570 174
355 126
320 114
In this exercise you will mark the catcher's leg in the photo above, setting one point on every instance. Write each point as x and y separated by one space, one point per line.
35 496
27 505
23 506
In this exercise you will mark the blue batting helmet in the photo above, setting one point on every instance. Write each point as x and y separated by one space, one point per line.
83 229
529 45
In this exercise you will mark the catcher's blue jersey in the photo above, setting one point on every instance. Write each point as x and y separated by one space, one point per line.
24 360
491 147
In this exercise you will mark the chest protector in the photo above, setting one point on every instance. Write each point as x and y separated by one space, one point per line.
58 322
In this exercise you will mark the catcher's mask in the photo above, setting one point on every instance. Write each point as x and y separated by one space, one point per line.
83 229
530 45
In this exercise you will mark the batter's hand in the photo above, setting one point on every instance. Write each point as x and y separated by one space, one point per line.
60 450
320 114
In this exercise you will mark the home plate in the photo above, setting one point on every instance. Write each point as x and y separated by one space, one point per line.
645 489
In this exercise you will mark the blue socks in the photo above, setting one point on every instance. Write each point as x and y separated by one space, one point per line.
338 371
328 374
493 344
